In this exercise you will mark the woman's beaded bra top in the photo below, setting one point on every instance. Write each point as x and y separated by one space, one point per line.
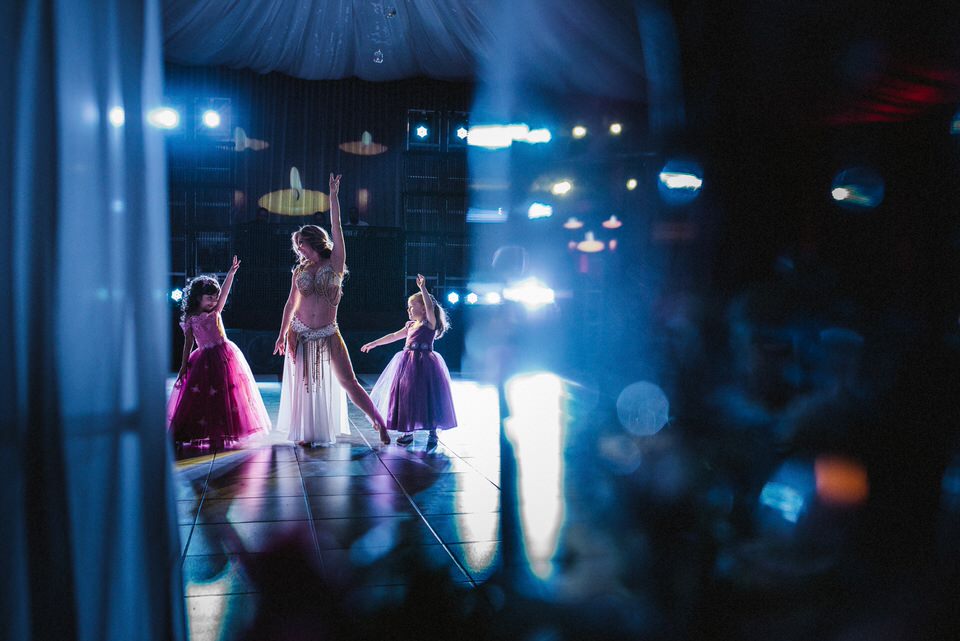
326 283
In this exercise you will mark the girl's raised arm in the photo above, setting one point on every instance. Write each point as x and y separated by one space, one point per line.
227 284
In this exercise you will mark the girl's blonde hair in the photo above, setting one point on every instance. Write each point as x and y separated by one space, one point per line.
440 314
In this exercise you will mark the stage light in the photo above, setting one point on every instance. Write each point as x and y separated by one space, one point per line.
612 223
530 292
176 295
786 495
536 136
462 133
211 119
579 131
492 298
677 180
616 128
539 210
840 193
472 298
117 116
422 132
612 244
453 298
590 245
631 184
573 223
561 188
164 118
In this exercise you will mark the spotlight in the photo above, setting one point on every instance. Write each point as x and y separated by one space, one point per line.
538 136
211 119
680 182
176 295
117 116
561 188
492 298
530 292
573 223
462 133
579 131
422 132
539 210
164 117
453 298
616 128
632 184
472 298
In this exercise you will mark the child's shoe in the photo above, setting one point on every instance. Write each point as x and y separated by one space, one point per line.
406 439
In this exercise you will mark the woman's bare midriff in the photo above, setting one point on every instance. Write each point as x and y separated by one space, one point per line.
315 312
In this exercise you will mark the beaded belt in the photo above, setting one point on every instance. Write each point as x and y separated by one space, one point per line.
307 333
419 347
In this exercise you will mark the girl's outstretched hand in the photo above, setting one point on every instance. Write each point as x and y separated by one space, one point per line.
421 281
235 266
334 184
366 348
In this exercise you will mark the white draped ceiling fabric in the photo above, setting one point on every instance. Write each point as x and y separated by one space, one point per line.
90 549
330 39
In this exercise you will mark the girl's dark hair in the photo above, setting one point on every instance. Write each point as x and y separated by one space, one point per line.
316 237
194 291
440 314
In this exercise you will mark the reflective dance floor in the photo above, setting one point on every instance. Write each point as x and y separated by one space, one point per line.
278 518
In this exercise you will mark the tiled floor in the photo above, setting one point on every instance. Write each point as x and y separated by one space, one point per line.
349 515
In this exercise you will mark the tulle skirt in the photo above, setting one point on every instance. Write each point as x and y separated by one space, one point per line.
217 399
313 404
413 392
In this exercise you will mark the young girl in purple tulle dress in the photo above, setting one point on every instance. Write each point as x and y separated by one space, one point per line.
215 398
413 392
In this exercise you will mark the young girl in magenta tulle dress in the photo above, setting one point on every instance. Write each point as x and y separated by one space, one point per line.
413 392
215 397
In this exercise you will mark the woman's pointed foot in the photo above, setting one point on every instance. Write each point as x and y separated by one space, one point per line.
384 436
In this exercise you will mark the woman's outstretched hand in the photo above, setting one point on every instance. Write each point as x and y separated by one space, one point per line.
235 266
334 184
366 348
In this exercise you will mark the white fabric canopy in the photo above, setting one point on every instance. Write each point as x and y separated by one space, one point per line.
329 39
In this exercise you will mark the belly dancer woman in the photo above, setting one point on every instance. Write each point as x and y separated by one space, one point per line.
317 371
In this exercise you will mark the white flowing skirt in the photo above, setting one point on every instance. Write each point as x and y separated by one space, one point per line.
313 404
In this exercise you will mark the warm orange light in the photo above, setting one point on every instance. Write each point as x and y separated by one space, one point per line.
841 481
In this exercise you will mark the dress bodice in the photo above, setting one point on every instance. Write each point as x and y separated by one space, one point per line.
207 329
325 283
419 336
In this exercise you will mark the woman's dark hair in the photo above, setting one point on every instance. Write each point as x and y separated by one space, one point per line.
194 291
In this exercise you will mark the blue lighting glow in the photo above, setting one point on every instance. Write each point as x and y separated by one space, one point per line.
422 132
502 136
176 295
453 298
857 188
472 298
